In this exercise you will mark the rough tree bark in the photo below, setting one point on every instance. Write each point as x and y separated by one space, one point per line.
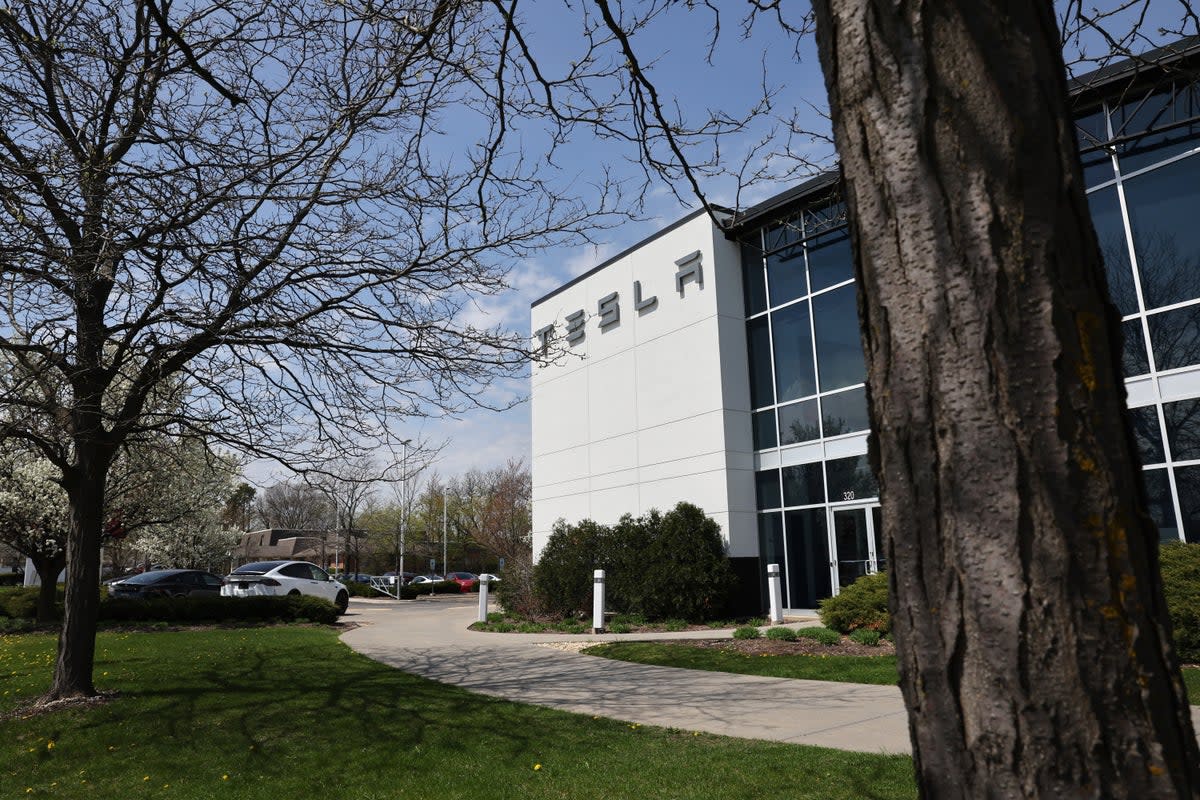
1035 653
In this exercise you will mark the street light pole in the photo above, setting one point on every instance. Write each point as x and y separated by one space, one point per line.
403 513
444 570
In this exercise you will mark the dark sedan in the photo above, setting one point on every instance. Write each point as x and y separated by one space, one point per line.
167 583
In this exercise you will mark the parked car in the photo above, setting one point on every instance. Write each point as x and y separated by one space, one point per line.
285 577
465 580
406 577
353 577
427 579
491 578
166 583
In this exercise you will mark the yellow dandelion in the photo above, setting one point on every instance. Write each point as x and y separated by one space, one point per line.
536 767
224 777
50 745
146 778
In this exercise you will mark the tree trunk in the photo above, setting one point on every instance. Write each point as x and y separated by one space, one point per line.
1036 657
47 570
81 605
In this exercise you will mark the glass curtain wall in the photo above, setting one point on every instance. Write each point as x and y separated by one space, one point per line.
807 382
1141 159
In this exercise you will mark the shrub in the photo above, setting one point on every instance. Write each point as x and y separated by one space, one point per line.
291 608
675 625
658 566
781 634
1180 564
746 632
865 636
562 579
862 604
361 590
823 635
515 591
19 603
619 627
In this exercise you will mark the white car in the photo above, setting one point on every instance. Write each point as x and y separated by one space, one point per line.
491 578
262 578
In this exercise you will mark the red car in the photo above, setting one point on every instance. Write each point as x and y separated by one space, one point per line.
465 580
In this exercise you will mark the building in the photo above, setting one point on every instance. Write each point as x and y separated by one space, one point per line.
324 547
723 365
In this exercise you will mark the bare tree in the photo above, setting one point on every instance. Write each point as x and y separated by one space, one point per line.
250 198
294 505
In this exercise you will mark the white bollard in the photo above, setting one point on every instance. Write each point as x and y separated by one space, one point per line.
483 592
773 584
598 601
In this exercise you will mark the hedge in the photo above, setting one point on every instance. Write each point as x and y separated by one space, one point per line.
1180 565
287 608
862 604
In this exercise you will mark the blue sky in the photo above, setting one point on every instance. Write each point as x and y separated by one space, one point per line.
678 44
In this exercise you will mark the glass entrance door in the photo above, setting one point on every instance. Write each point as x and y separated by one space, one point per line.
854 543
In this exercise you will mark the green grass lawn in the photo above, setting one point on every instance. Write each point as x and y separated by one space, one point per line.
291 712
851 669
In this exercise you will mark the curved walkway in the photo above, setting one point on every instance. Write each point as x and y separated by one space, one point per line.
430 638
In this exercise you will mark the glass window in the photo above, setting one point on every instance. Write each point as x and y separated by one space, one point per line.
754 286
850 479
1187 483
766 489
802 485
764 429
1183 429
758 342
1148 114
808 558
845 412
770 546
1133 354
1146 434
1158 503
782 234
1110 232
839 344
793 352
1175 337
829 259
1092 131
821 218
785 275
799 422
1166 238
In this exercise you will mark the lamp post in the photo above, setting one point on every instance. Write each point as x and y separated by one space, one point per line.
403 513
444 570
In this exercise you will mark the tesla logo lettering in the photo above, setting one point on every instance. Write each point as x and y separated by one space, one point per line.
689 269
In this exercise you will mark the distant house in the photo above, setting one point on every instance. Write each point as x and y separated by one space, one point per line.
323 547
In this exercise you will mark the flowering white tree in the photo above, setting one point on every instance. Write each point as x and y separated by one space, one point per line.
34 520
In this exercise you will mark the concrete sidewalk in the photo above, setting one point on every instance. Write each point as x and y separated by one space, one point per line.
430 638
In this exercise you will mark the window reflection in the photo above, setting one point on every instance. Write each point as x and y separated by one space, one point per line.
850 479
799 422
785 275
1166 238
1151 114
1158 503
1187 483
794 376
1183 428
1146 434
808 558
803 485
1133 353
845 412
764 429
839 344
1175 337
829 259
766 488
1110 231
754 286
758 342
